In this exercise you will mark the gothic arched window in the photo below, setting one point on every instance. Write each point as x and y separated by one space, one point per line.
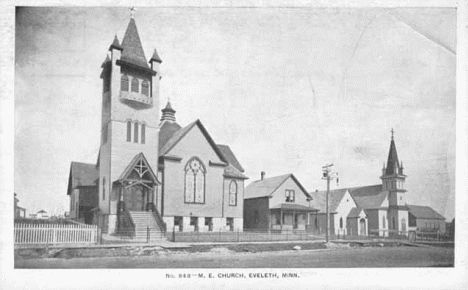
233 193
135 85
145 88
129 131
124 83
143 133
135 132
103 188
194 181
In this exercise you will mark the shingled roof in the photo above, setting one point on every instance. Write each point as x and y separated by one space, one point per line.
319 199
368 197
166 131
424 212
230 157
393 164
132 50
82 174
179 135
267 186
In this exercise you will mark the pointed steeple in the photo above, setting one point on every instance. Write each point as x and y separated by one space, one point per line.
168 113
115 44
155 57
393 164
132 49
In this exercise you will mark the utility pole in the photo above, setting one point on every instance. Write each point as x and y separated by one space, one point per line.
328 175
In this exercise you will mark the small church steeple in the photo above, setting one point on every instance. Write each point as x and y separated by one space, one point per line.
392 174
168 113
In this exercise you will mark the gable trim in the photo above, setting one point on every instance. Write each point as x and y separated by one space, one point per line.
131 165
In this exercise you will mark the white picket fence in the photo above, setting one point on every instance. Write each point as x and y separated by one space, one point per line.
55 234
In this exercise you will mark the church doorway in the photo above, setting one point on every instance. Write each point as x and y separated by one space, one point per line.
362 227
135 197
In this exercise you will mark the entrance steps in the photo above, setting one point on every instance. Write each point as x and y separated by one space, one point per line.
146 227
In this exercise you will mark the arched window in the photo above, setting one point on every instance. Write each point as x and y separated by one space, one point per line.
145 88
135 85
143 133
233 193
135 132
383 222
341 222
194 181
103 188
129 131
124 83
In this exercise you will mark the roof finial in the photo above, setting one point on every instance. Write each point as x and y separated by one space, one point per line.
132 11
392 133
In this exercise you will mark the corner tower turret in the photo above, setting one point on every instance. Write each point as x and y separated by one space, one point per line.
130 126
393 181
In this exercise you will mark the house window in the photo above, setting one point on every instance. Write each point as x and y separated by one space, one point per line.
135 132
209 223
383 222
143 133
129 131
194 181
135 85
124 83
233 193
144 88
341 222
103 188
290 196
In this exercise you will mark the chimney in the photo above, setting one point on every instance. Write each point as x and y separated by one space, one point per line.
262 175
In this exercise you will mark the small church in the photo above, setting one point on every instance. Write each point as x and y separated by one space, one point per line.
151 171
379 209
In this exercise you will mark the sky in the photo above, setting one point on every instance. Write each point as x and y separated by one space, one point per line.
288 89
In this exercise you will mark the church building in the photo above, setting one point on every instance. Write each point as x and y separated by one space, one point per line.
150 170
379 209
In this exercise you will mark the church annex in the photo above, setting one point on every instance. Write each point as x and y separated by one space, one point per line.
150 170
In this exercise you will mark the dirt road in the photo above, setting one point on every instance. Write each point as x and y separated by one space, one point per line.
330 258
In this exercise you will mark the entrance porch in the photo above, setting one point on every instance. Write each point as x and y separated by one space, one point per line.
289 217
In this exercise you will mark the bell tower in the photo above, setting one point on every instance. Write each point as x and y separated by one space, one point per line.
129 123
393 181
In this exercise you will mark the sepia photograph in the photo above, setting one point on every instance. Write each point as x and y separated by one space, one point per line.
235 142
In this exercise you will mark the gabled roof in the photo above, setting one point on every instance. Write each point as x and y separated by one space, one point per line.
319 199
230 157
355 212
180 134
267 186
132 50
82 174
131 166
368 197
424 212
